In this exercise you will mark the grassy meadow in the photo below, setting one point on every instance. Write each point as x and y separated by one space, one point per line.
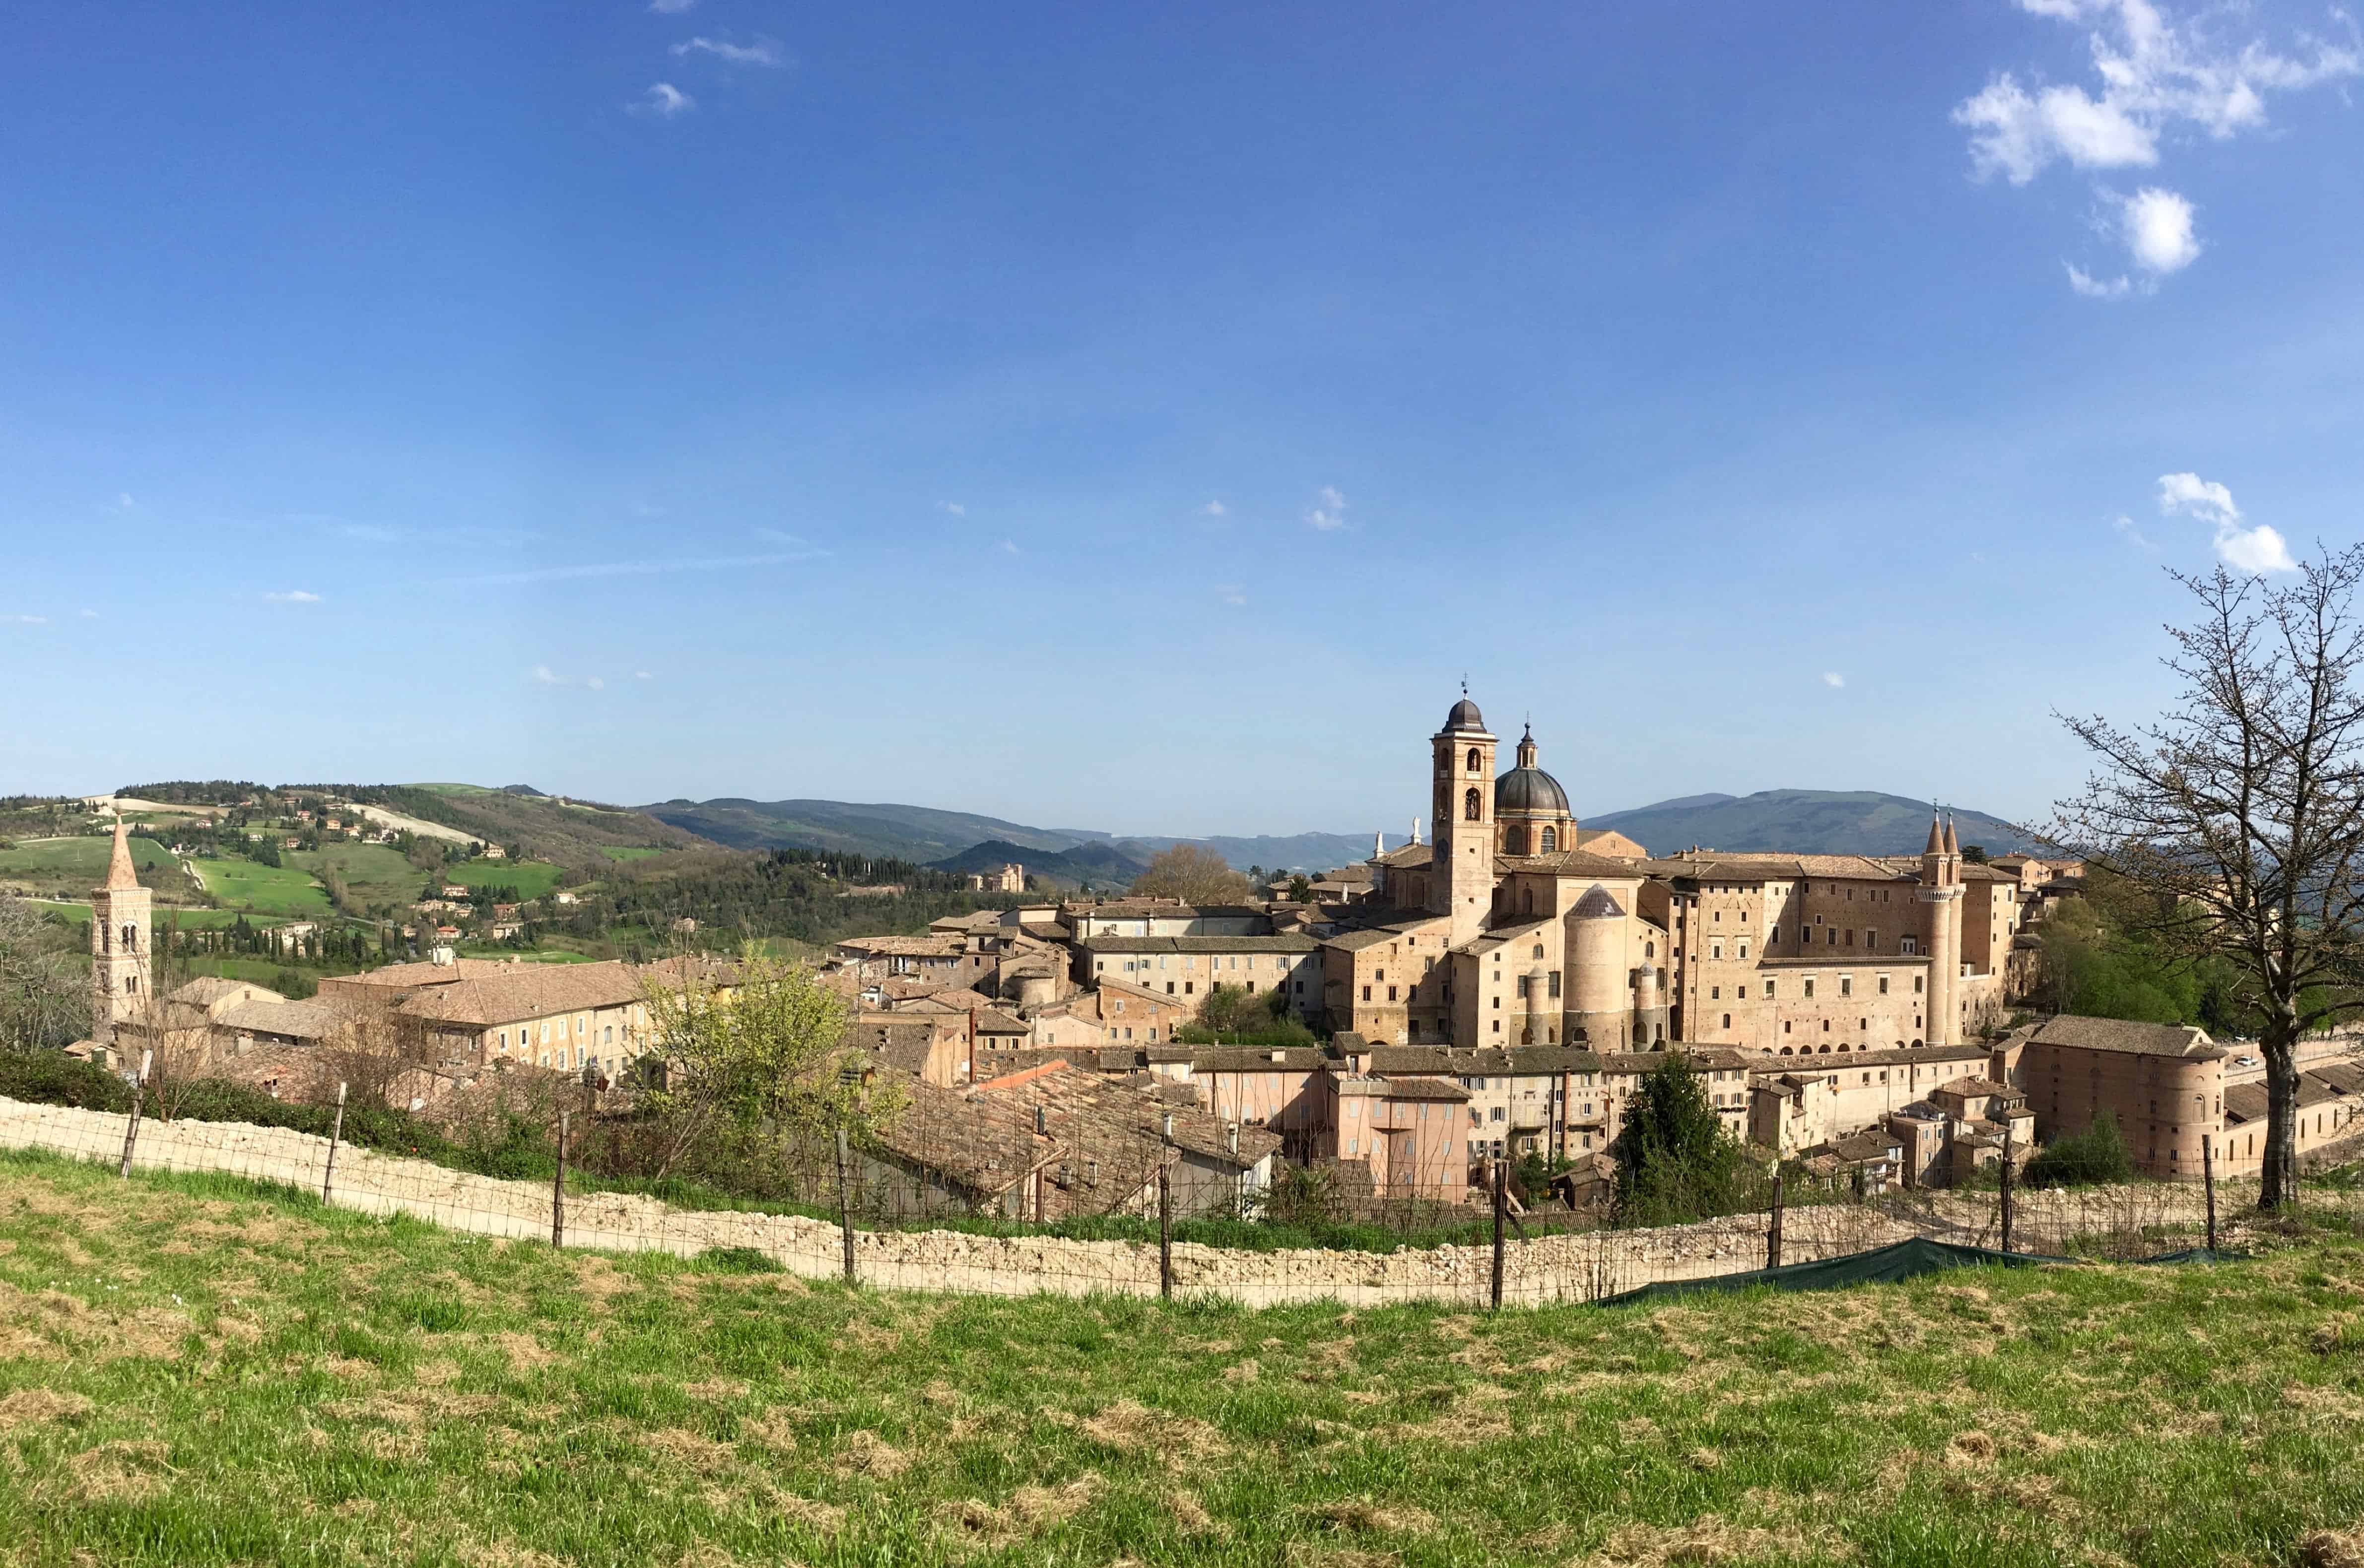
70 868
202 1371
243 885
530 878
166 915
377 876
629 852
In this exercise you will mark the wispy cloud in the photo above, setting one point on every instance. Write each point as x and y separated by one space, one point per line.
1214 509
2091 287
369 533
642 675
595 683
762 52
1008 547
670 8
663 101
89 614
544 675
955 507
24 620
2155 71
1328 512
641 567
781 536
1231 593
1833 679
294 597
124 501
2257 549
2125 528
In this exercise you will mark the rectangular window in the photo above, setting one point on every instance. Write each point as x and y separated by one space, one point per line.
1768 990
1883 985
1809 988
1847 985
1555 984
1366 993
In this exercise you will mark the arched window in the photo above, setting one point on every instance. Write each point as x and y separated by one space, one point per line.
130 938
1539 949
1514 841
1472 808
1785 1050
1550 840
1477 760
1649 949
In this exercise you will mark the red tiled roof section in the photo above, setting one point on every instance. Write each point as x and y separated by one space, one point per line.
527 992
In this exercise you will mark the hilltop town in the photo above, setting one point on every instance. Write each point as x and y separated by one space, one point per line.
1494 996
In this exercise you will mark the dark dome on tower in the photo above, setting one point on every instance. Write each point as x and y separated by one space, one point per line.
1529 789
1464 716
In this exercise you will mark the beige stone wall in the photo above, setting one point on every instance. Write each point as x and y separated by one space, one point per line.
1560 1268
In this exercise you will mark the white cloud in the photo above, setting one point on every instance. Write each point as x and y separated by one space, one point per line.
124 500
1233 593
2155 74
24 620
663 100
294 597
2158 228
781 536
2127 530
90 615
1328 513
544 675
1008 547
2092 287
955 507
762 52
1833 679
670 8
1214 509
2257 549
642 675
595 683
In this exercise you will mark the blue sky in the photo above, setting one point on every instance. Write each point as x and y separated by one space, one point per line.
1141 417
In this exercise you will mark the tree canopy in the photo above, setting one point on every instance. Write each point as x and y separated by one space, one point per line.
1194 875
1676 1161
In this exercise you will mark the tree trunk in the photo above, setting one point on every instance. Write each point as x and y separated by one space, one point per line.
2277 1180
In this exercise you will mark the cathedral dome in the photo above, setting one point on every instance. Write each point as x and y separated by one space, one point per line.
1464 716
1530 790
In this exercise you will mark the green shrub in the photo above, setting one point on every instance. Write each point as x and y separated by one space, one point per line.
2090 1158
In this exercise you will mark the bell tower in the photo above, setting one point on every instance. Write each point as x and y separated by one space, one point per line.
1941 890
1461 869
121 967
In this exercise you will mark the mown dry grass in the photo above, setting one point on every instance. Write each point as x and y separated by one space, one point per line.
198 1370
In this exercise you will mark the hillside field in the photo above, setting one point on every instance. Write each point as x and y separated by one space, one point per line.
72 867
202 1371
267 890
377 876
530 878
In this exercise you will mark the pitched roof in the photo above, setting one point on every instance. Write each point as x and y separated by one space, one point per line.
207 989
1287 943
1126 1120
1406 858
2123 1035
120 873
1469 1061
526 992
1252 1059
1403 1088
1570 862
298 1021
2244 1102
982 1145
398 976
932 946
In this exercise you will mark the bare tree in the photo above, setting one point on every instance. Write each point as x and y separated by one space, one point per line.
2240 812
370 1053
1194 875
44 993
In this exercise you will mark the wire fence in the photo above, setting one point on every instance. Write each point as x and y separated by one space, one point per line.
1513 1264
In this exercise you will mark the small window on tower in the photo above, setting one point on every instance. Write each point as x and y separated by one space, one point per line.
1477 760
1472 811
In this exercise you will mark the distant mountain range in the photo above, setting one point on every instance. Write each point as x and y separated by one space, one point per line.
928 836
1801 821
1804 821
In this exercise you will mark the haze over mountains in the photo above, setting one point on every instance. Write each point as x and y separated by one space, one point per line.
1804 821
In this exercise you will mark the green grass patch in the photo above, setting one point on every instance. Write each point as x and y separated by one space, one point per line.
244 884
83 859
188 918
207 1370
530 878
377 876
628 852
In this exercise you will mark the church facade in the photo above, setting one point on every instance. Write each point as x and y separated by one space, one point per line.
1504 933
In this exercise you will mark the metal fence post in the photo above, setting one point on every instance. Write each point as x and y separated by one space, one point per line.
1502 1207
131 1128
1166 1218
558 1189
2208 1176
1773 1226
336 1131
845 1205
2006 1186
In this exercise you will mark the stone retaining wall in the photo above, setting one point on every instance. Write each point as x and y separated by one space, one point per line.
1552 1268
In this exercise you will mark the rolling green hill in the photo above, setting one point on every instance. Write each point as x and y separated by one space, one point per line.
1096 865
572 833
1800 821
